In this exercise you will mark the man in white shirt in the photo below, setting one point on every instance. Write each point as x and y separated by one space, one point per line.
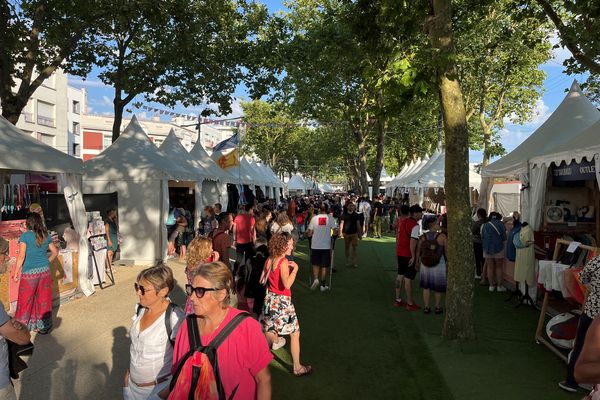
364 208
320 231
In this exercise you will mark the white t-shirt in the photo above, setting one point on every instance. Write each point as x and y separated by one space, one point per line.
415 233
287 228
151 352
321 226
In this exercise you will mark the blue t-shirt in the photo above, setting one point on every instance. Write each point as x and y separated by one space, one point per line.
35 257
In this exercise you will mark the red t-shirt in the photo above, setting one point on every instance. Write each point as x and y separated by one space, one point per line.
241 356
404 228
275 283
244 223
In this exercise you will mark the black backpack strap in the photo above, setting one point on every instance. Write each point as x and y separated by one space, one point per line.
230 327
194 339
168 326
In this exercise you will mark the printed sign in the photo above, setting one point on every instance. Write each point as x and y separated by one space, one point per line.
583 171
322 221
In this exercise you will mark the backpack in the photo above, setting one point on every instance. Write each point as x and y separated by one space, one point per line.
431 250
197 375
168 326
517 239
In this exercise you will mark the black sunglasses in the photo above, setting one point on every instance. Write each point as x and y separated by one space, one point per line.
141 289
189 289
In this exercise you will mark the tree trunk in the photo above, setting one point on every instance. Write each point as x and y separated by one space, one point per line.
116 128
485 189
379 156
362 162
458 322
12 108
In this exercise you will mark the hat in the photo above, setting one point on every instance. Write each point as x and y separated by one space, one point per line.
415 209
3 246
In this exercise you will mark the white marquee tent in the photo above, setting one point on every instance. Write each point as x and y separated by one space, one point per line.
134 168
296 183
214 189
561 136
23 154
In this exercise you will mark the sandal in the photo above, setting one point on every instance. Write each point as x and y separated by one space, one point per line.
305 370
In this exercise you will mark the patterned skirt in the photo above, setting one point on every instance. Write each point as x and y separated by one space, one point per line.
434 278
279 315
34 304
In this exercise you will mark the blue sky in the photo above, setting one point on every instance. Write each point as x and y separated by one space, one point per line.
557 82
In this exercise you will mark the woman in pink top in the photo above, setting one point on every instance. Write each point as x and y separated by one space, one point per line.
279 315
244 356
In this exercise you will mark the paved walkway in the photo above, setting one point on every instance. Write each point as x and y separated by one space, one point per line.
86 354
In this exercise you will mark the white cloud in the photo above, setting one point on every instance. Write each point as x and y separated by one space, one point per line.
541 113
80 82
106 101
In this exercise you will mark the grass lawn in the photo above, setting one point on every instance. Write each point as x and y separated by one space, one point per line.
362 347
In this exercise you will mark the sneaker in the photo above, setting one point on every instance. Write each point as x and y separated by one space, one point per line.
439 310
492 288
399 303
586 386
501 289
324 288
278 344
314 284
427 310
477 277
564 385
412 307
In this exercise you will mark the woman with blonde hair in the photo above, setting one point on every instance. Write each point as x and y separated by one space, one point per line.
242 352
153 331
34 302
279 315
282 224
200 251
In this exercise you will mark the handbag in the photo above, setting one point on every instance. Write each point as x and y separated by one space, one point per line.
15 362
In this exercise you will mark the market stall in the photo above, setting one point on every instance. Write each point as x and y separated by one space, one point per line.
296 185
213 190
134 168
23 158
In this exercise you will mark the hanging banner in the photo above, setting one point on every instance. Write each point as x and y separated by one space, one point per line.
583 171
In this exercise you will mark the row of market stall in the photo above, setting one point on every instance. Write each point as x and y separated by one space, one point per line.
422 181
132 175
299 185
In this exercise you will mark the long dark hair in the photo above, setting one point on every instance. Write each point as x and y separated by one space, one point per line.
36 225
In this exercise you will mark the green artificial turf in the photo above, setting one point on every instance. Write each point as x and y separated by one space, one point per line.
362 347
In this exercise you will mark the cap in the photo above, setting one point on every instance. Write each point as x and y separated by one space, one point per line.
3 246
415 209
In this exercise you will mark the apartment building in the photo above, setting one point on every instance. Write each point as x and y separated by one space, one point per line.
97 133
51 114
76 104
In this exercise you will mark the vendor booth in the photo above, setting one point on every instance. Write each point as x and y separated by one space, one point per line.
557 167
214 190
27 167
296 185
134 168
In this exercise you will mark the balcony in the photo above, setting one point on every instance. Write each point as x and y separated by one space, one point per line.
28 117
46 121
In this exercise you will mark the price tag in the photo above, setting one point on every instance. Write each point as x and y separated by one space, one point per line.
573 246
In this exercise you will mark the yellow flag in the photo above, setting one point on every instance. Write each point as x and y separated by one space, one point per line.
228 160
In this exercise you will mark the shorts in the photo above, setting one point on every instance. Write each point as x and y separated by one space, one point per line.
409 272
320 258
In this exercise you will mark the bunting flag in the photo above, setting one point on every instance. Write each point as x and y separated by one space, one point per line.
230 143
229 159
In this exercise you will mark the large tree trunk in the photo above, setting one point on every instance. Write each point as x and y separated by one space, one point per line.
379 156
485 189
458 322
12 108
362 161
118 107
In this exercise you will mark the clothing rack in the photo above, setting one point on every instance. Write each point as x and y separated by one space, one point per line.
107 266
539 333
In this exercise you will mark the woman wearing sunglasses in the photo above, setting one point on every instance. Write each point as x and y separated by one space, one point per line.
200 251
244 356
151 348
279 315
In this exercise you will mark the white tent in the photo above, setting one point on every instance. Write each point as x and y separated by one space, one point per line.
242 174
326 188
22 153
434 175
419 170
296 183
276 182
574 114
214 189
134 168
385 178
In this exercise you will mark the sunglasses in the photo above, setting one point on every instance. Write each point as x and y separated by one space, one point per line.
189 289
141 289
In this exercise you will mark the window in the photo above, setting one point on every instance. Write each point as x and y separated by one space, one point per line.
76 128
45 114
106 142
76 107
48 139
76 150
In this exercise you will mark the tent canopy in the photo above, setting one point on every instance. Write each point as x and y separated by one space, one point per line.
296 183
174 150
584 145
201 159
22 152
134 157
574 114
